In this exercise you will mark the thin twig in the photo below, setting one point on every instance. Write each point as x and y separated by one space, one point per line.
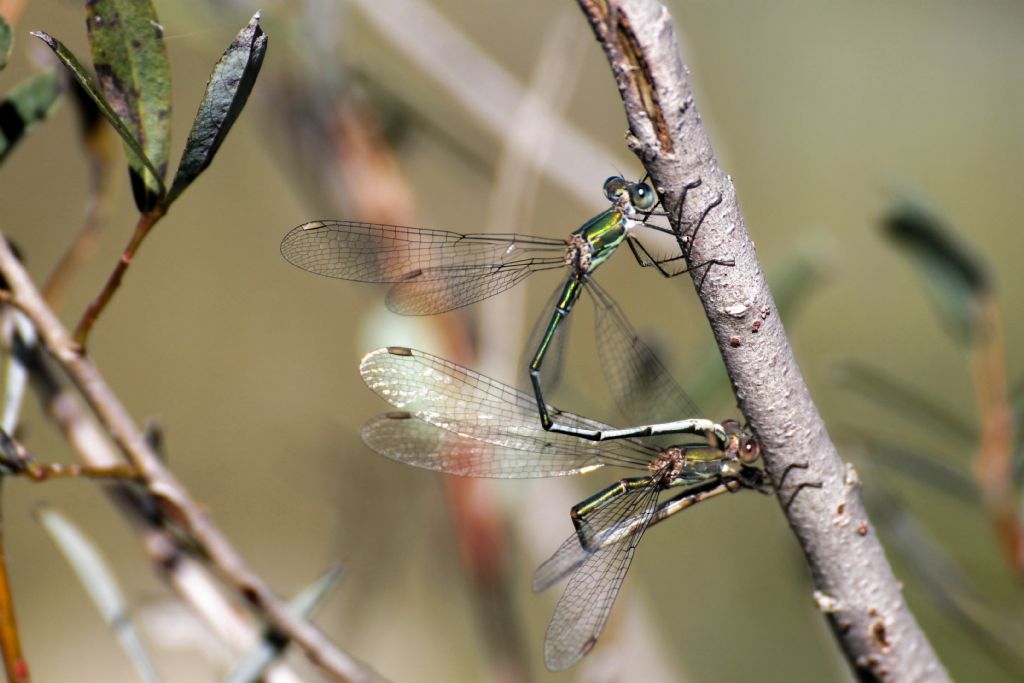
855 587
163 486
10 643
92 313
174 562
993 463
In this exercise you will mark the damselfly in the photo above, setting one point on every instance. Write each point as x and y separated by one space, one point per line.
457 421
433 271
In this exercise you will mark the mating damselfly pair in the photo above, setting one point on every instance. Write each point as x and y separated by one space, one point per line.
453 420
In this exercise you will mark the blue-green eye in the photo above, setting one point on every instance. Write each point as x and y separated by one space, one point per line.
642 196
613 186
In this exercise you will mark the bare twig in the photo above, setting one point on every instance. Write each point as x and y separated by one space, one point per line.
163 486
855 587
92 313
993 464
10 643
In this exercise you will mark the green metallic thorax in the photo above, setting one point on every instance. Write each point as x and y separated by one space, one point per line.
603 234
700 463
595 240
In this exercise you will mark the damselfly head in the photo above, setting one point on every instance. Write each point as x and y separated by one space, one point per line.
629 196
740 443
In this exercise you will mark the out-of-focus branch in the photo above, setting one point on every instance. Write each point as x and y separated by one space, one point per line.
10 642
489 93
175 501
993 465
820 495
181 569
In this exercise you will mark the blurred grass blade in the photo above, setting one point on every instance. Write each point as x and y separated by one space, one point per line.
25 105
226 93
16 376
253 665
957 279
131 64
132 148
98 580
905 401
6 42
922 468
950 590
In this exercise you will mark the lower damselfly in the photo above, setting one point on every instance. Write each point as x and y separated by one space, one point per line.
454 420
432 271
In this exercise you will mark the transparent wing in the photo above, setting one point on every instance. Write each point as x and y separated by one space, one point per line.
436 290
402 437
644 390
583 609
459 400
434 270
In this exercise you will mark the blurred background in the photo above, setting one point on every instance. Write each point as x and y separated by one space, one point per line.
824 116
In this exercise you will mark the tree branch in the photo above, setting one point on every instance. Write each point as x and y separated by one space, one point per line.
820 495
175 500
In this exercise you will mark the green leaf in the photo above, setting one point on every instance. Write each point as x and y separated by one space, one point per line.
135 154
226 93
25 105
101 584
6 42
131 63
957 278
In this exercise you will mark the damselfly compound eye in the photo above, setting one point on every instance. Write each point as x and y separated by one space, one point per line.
613 186
750 450
642 196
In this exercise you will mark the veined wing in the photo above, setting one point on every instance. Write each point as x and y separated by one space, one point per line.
643 388
572 553
464 402
435 290
402 437
435 270
583 609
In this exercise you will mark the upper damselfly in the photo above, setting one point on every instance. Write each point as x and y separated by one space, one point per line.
433 271
454 420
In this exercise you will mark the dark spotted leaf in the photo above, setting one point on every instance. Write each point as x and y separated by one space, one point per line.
27 104
131 64
88 83
226 93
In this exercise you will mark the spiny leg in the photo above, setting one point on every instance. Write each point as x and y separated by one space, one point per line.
799 487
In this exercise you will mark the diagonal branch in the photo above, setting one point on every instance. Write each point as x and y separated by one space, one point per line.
820 495
176 501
